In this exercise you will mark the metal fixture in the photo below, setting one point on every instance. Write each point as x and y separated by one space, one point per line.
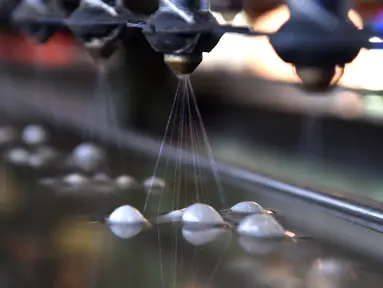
317 39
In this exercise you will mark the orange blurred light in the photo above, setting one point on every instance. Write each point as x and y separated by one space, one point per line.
256 55
265 62
60 50
348 105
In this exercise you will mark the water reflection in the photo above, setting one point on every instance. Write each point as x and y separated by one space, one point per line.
34 157
200 237
56 248
76 182
126 222
126 231
330 273
256 246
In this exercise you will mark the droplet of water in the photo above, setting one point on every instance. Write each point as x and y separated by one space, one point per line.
202 214
261 225
201 237
18 156
154 185
7 135
76 180
125 182
34 135
126 215
88 156
247 207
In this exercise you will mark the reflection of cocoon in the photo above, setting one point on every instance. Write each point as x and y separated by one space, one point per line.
202 237
256 53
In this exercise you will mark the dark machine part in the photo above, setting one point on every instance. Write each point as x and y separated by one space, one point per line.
256 8
34 10
6 8
99 39
69 5
225 5
27 17
95 22
182 64
182 30
316 66
183 52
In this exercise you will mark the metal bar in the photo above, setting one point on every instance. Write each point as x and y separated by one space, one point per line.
204 5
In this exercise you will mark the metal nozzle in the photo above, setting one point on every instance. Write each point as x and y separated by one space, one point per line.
100 50
182 65
32 10
100 41
316 78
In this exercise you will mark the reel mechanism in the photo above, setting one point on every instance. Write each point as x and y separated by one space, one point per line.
317 39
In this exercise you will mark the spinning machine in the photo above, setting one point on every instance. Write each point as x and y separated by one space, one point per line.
317 39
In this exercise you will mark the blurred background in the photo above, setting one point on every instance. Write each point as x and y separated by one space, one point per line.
255 116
